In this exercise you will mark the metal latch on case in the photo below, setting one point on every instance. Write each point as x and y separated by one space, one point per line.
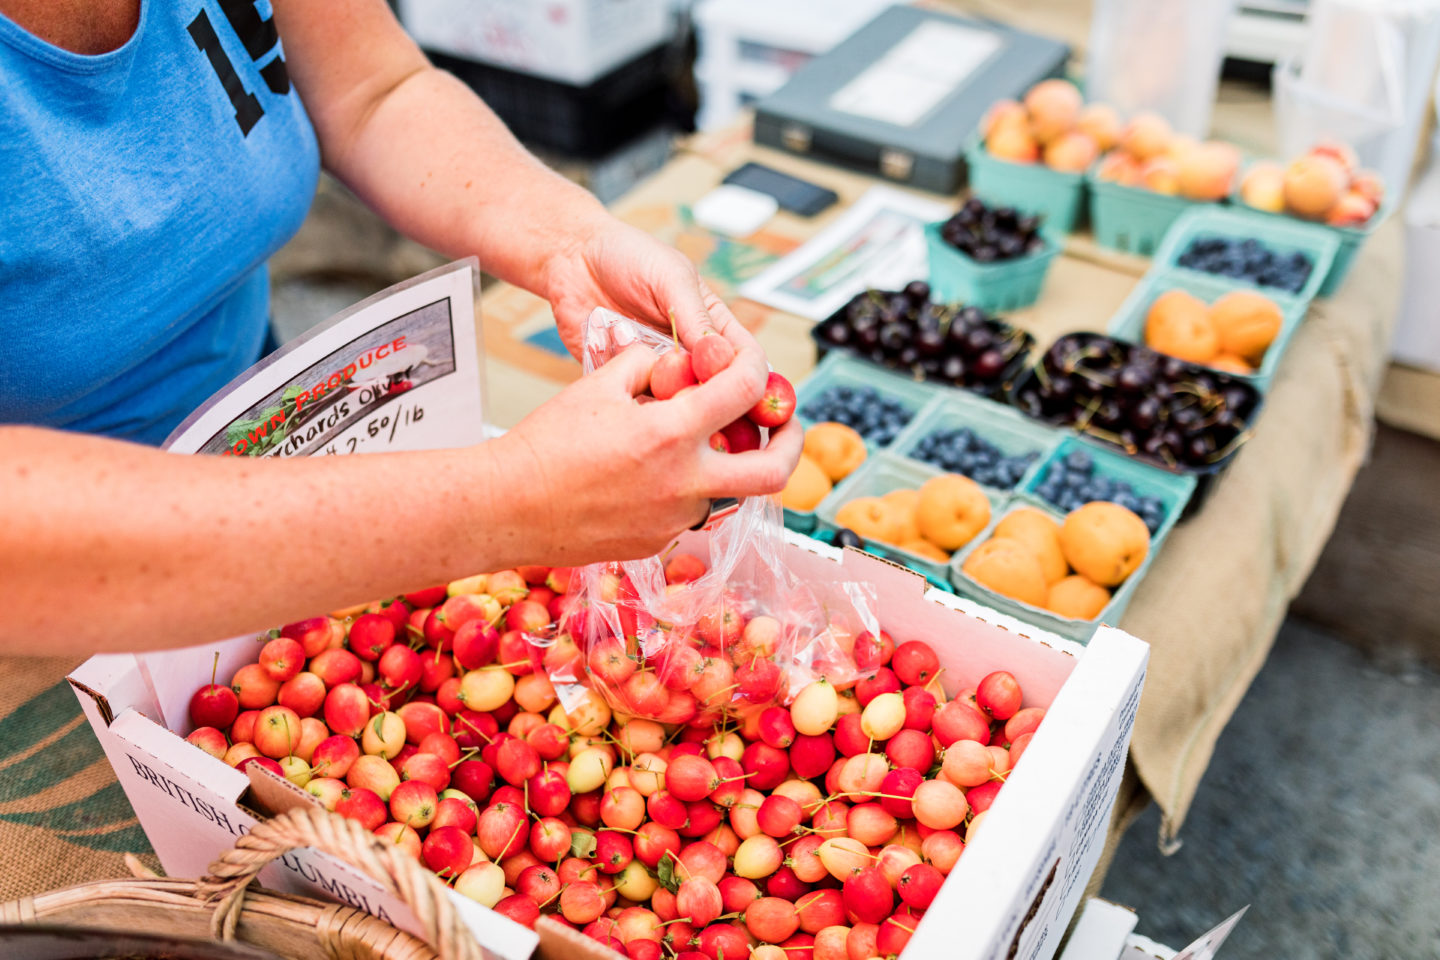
896 164
796 138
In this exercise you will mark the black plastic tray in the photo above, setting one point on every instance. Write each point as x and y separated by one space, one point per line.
1205 477
995 389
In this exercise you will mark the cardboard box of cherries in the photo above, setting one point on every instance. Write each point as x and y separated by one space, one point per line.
941 787
825 825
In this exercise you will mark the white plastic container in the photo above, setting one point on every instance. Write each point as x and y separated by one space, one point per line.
1365 79
1158 55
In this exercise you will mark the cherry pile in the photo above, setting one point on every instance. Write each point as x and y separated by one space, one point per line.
992 234
1159 408
905 330
823 828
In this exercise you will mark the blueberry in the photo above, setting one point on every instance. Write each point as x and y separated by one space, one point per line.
1128 501
1079 461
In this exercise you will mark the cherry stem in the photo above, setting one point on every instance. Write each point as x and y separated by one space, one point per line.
214 668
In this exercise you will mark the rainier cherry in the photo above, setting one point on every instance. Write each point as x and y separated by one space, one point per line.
998 694
777 405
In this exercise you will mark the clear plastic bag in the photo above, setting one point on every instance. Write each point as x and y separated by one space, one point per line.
718 625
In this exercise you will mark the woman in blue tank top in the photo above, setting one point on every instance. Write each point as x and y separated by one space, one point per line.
153 155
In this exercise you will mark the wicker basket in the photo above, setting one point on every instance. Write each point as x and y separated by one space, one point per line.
295 928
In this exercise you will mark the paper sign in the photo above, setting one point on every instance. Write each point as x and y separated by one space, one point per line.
879 242
908 83
398 371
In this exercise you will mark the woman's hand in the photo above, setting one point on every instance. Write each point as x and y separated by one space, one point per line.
612 264
599 475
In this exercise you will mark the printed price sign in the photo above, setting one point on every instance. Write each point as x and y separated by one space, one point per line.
398 371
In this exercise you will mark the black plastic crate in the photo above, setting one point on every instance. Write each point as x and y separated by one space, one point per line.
588 121
1242 400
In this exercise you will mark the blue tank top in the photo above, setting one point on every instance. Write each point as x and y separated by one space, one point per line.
141 192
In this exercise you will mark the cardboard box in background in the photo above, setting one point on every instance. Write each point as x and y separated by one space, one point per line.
572 41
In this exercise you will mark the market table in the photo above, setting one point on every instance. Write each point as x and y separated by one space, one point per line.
1210 607
1214 599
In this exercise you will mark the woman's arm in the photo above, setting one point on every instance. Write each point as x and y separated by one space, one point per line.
109 546
421 149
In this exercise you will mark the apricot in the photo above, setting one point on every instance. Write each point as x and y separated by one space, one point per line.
1230 363
1104 542
1053 106
926 549
870 517
1369 185
1351 209
1180 145
1263 187
836 448
1040 534
951 511
1341 153
1077 597
1179 324
1207 172
1004 113
1247 323
807 486
1102 123
1161 175
1146 135
1071 152
1119 167
1010 569
904 503
1313 185
1014 143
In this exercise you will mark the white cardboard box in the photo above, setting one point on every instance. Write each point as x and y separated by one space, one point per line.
572 41
1011 894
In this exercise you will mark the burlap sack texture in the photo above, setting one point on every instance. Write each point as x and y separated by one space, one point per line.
63 817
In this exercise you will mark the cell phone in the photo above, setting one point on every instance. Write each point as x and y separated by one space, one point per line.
793 194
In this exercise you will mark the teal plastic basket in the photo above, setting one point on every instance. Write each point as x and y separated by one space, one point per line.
1174 491
878 476
1129 321
1008 430
1002 286
1131 218
1284 235
1057 197
1348 239
840 369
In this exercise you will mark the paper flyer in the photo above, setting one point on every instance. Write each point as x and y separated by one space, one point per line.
878 242
400 370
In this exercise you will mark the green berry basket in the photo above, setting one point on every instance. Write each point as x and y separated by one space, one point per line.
1055 196
1005 428
876 477
1348 240
839 369
1131 219
1284 235
1173 491
1129 321
1002 286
